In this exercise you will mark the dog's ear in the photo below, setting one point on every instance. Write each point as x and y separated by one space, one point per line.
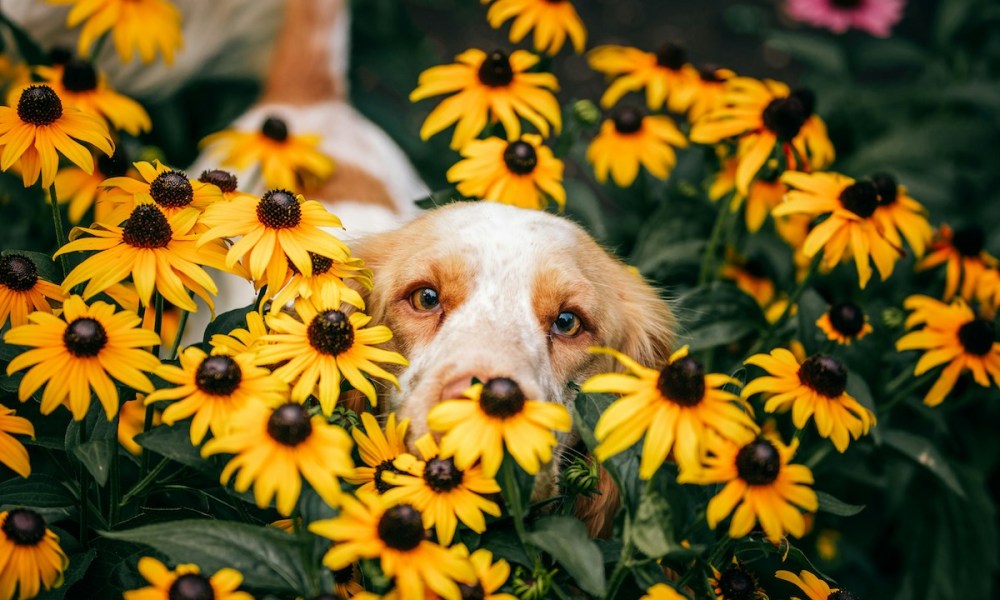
647 323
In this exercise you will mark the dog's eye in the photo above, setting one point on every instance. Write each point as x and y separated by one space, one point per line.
567 324
425 299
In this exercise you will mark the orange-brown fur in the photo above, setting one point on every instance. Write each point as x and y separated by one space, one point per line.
299 72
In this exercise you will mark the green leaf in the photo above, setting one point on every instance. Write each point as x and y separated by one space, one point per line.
566 539
228 321
651 530
924 453
78 565
41 492
835 506
173 442
716 314
96 452
267 557
624 467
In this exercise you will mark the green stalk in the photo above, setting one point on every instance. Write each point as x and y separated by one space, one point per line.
115 489
512 494
305 544
58 225
708 260
144 482
147 422
180 333
84 509
260 298
625 562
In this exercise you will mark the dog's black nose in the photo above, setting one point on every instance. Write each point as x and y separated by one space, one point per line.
501 397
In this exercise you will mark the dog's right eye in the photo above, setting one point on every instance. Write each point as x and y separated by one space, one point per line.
425 299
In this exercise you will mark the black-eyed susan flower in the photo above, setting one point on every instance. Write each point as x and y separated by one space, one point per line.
366 528
186 582
146 27
963 252
240 340
346 583
159 253
735 582
23 291
520 173
760 484
850 206
988 291
227 182
326 272
815 388
631 138
750 275
443 493
286 161
12 453
900 215
662 591
954 336
276 229
765 116
494 416
765 192
666 75
552 20
82 190
30 555
707 94
814 587
844 323
169 189
673 407
325 345
132 421
34 134
275 448
79 352
212 388
80 85
490 576
489 87
378 450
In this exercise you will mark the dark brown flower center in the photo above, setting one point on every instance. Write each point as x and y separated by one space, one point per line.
683 382
381 486
39 105
344 575
847 318
289 424
171 189
887 188
79 76
628 119
977 336
147 227
671 56
279 209
24 527
330 332
737 584
709 74
115 165
501 398
441 475
841 594
401 528
824 374
807 98
275 128
785 117
224 180
496 70
861 198
472 592
18 273
969 241
60 55
755 268
520 158
85 337
320 264
218 376
758 463
191 586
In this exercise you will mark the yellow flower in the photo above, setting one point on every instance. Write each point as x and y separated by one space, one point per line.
988 292
285 160
844 323
552 20
12 453
378 450
900 215
443 493
815 388
143 26
225 181
131 420
23 291
665 74
750 275
213 389
83 190
813 586
79 85
347 582
326 272
662 591
160 254
35 133
275 448
79 352
490 575
706 96
765 115
965 258
186 581
673 406
521 173
850 205
240 341
494 415
30 556
765 192
489 86
169 189
276 230
324 344
630 138
735 583
953 336
366 528
760 484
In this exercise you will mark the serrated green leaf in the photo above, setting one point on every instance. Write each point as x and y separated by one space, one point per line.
925 454
567 541
835 506
41 492
651 529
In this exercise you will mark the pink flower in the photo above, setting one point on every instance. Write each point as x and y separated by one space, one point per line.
874 16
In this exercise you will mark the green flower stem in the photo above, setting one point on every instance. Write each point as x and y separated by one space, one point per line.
145 481
625 562
147 422
84 478
913 384
708 260
98 47
58 225
115 489
180 333
768 338
260 298
305 545
816 457
512 494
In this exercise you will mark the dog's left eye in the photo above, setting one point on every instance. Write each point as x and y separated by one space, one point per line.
425 299
567 324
